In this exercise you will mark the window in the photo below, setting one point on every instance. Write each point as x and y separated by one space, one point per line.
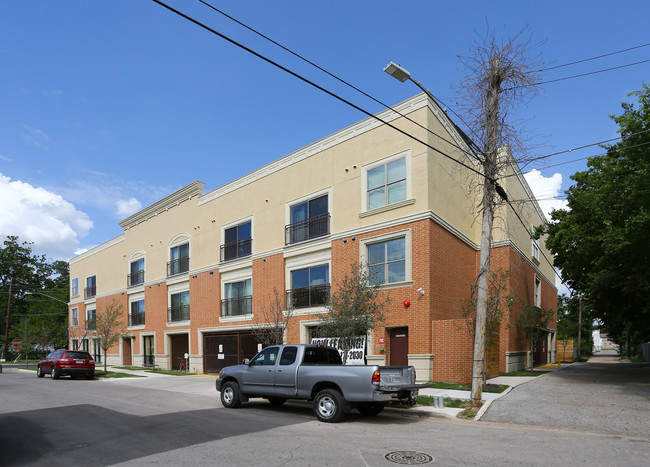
136 317
74 289
97 350
180 259
321 356
308 219
91 287
538 292
288 356
90 320
386 183
180 307
536 249
309 287
75 344
387 261
84 344
267 356
136 277
239 299
75 317
237 242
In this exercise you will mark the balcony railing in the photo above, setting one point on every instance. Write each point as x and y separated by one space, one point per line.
307 297
136 319
178 313
237 306
178 266
91 324
234 250
305 230
90 292
135 279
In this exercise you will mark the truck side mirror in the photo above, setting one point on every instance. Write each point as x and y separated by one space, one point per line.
246 361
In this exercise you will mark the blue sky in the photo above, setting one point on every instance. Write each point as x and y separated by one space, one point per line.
108 106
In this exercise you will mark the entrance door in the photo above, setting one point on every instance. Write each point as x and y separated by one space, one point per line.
126 351
147 342
399 347
540 352
180 346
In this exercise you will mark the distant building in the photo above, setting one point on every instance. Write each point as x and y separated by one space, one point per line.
194 271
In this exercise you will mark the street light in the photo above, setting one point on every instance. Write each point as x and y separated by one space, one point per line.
401 74
49 296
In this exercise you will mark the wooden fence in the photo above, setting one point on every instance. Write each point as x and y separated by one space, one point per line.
565 351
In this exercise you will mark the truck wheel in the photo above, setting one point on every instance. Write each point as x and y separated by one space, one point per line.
370 408
277 401
230 395
328 405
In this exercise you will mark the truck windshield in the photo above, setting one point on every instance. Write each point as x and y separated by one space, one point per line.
321 356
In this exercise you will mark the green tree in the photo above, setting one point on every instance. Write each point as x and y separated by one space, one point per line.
600 242
109 325
355 308
22 272
270 331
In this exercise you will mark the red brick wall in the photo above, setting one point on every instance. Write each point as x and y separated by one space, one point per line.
453 356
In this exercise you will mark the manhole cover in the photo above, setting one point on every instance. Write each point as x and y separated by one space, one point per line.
408 457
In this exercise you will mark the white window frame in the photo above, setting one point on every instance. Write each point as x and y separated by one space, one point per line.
74 290
173 290
74 320
408 255
537 291
536 250
409 181
236 223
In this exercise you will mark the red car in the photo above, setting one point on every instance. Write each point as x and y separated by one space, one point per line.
67 362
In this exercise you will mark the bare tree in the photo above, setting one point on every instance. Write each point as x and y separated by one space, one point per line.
275 320
109 325
500 75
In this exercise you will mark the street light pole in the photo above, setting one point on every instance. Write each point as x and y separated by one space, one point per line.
4 354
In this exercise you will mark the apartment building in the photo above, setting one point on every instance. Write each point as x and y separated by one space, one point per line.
195 271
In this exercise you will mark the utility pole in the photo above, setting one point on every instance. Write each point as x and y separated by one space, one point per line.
490 165
11 282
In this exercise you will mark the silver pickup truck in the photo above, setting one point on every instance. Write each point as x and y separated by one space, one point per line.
316 373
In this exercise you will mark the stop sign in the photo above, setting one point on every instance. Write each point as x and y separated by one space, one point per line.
16 342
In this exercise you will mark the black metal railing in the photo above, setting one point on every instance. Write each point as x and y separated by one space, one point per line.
149 360
135 279
178 266
238 249
90 291
306 297
178 313
91 324
305 230
237 306
136 319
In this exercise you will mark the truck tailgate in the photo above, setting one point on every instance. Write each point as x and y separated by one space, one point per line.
396 376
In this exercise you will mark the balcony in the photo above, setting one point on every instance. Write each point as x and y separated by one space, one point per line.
237 306
136 319
306 230
307 297
238 249
91 324
178 313
178 266
90 292
135 279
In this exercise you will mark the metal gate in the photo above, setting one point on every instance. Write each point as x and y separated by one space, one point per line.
221 350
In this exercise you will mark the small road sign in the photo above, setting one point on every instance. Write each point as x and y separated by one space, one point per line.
16 342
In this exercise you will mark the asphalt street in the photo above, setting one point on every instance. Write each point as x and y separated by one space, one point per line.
602 395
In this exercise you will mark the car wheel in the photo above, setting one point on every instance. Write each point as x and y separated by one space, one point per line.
370 408
90 375
230 395
277 401
55 373
39 372
328 405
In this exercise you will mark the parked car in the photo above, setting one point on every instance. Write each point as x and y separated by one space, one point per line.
67 362
316 373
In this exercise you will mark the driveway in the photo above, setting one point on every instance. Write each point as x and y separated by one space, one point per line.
602 395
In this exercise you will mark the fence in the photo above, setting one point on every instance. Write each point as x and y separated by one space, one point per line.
565 351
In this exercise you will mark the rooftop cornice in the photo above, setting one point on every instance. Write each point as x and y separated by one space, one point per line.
176 198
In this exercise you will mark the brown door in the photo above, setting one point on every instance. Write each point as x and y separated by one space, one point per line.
399 347
126 351
540 351
221 350
180 346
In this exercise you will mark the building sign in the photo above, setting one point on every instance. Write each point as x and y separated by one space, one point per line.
356 353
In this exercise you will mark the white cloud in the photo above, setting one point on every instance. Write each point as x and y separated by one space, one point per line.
546 190
36 215
127 207
5 158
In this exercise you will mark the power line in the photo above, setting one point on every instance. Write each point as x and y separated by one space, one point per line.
592 72
315 65
319 87
593 58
